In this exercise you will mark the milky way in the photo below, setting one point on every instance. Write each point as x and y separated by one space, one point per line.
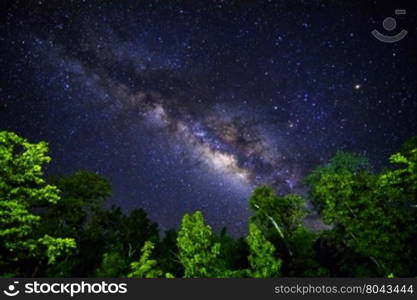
225 143
190 106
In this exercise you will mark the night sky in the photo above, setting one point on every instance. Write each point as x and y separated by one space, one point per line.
190 105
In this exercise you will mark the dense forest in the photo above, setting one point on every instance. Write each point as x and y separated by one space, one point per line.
60 227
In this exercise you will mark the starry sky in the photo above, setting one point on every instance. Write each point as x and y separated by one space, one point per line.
187 105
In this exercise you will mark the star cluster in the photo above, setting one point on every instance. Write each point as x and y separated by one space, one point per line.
187 106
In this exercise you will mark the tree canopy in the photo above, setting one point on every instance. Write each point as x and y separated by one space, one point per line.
61 225
23 187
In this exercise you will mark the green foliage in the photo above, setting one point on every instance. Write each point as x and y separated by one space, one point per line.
145 267
272 212
407 149
22 187
281 218
372 213
198 252
138 229
233 253
400 184
82 194
61 228
167 253
341 163
56 247
113 265
304 261
114 236
261 258
76 216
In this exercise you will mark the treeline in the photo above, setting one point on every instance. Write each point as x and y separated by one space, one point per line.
58 227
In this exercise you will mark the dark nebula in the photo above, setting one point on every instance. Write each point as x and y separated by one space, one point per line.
190 105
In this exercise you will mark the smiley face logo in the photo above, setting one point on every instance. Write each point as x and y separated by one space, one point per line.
390 24
11 290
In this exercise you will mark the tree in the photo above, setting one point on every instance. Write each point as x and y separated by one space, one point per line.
281 220
233 253
198 252
272 212
261 258
145 267
341 162
113 265
398 188
138 229
407 149
372 214
23 187
82 195
400 184
166 253
277 216
77 216
122 237
304 261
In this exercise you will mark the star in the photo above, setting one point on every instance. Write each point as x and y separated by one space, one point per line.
157 96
